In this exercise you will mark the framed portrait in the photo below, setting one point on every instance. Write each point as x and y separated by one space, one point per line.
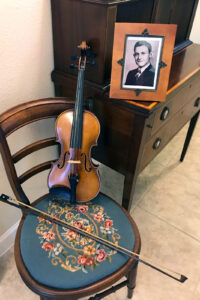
142 55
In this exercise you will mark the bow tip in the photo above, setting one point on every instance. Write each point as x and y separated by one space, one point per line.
183 278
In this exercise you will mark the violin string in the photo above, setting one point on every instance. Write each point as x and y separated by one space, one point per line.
77 116
139 257
76 133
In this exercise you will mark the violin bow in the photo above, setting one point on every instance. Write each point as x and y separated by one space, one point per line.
30 209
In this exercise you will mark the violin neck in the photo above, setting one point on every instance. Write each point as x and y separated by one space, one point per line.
77 124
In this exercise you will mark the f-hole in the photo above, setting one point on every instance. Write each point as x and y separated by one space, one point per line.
64 159
85 161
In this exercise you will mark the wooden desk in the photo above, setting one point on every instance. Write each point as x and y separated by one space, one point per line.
133 133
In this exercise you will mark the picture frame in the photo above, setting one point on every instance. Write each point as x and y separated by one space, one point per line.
142 56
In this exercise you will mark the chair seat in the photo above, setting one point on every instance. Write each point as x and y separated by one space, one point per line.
60 258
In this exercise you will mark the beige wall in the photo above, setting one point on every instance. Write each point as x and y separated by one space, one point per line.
195 32
26 61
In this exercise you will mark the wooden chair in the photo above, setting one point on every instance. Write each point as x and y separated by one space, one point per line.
55 262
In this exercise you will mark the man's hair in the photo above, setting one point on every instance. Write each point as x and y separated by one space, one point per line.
143 43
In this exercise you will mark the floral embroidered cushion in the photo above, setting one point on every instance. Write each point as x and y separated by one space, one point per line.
61 258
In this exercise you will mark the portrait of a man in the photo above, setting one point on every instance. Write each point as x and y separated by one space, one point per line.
141 63
145 72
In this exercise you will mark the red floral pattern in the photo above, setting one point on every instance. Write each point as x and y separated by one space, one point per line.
47 246
87 254
82 208
49 235
108 223
85 260
101 255
99 217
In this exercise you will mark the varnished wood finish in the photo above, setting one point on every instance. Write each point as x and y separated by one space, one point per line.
32 111
12 120
35 170
131 281
89 183
176 12
94 21
166 133
20 116
185 65
77 132
75 20
121 30
32 148
10 169
129 129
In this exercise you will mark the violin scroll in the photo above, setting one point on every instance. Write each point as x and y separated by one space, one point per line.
77 131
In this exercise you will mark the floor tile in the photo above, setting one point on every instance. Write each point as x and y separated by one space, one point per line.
111 183
168 247
196 293
11 285
175 199
145 181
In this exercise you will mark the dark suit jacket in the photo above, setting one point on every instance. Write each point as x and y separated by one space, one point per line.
146 78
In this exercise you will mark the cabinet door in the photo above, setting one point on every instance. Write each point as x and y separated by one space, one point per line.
135 11
180 12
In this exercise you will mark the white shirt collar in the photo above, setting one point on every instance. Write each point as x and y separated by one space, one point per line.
144 68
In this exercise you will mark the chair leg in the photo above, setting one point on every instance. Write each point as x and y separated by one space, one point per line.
132 280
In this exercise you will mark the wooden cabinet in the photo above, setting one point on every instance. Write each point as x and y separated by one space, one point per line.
165 133
94 21
132 133
189 91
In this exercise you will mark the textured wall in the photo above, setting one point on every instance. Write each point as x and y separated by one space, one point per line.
26 61
195 33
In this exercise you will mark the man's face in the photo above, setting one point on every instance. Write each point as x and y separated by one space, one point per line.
142 56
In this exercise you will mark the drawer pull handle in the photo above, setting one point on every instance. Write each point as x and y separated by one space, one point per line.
197 102
164 113
157 143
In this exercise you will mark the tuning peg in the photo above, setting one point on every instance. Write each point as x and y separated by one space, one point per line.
91 58
91 62
73 66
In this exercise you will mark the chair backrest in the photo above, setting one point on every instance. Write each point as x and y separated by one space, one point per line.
17 117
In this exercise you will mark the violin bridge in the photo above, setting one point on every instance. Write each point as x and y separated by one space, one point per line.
74 161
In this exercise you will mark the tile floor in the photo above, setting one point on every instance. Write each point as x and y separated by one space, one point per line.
167 211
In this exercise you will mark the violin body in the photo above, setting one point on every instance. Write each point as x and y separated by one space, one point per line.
76 161
77 132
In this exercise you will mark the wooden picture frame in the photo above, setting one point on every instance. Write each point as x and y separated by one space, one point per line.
142 55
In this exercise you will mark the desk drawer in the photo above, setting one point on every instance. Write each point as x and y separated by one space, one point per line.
168 131
174 103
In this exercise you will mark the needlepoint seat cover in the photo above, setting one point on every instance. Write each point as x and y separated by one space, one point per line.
61 258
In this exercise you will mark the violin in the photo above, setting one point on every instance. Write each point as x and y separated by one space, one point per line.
77 131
